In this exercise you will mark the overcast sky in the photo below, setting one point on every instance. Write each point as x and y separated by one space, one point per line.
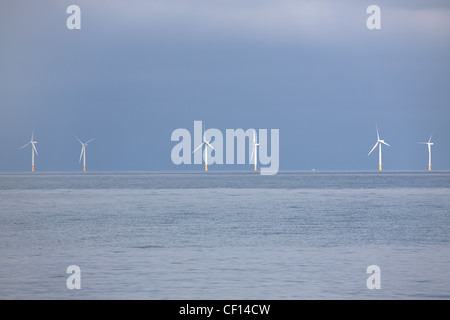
137 70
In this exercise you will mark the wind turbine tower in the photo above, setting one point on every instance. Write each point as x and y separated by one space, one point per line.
429 143
207 144
379 142
33 150
83 152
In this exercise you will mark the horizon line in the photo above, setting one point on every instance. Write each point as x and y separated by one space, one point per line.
227 171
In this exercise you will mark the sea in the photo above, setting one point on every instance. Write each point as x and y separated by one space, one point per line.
225 235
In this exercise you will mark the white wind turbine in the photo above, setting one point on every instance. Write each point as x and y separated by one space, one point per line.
33 150
429 143
379 142
207 144
83 152
254 150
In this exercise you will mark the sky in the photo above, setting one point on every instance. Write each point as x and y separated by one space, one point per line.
138 70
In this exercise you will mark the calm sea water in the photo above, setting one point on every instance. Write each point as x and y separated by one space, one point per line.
296 235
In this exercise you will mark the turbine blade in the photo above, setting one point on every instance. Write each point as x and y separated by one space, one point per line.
34 148
207 142
430 138
378 135
198 147
81 154
24 145
385 143
89 141
203 130
376 144
78 140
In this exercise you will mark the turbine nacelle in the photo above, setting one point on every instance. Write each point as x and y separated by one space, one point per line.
428 143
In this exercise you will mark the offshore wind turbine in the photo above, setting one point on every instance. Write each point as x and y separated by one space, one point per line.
83 152
254 151
207 144
33 149
429 143
379 142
